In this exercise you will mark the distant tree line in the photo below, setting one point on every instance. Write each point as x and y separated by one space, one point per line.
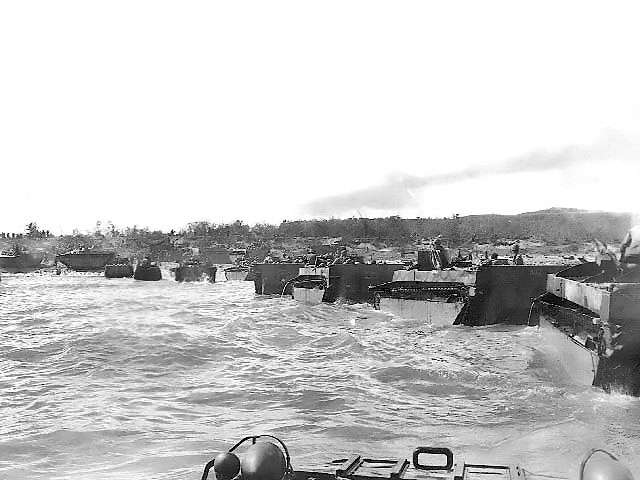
229 233
553 227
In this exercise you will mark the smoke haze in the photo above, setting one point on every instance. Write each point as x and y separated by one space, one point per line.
398 190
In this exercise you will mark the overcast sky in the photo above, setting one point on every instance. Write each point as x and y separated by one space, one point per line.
160 113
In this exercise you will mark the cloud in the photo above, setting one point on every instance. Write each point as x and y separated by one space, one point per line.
398 190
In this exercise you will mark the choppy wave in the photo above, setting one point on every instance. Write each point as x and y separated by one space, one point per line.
125 379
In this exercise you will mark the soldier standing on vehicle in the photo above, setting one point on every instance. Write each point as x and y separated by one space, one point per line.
515 251
630 247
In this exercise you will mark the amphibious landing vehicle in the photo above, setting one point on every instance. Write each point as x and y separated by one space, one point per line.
20 261
85 260
349 282
118 268
310 285
236 273
438 297
269 459
590 316
482 295
195 271
148 271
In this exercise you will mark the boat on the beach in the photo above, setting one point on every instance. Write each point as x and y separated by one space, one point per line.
118 268
236 273
86 260
20 261
148 271
310 285
265 457
590 317
195 271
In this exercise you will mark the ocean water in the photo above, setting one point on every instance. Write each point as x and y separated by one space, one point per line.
122 379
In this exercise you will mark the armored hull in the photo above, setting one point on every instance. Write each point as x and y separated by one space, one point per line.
267 457
85 261
487 295
431 312
236 273
350 282
273 278
310 285
24 262
573 352
149 273
195 273
591 320
310 295
437 297
120 270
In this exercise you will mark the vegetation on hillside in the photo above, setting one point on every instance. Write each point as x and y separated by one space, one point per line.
551 227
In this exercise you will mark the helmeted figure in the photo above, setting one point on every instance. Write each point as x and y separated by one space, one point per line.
630 247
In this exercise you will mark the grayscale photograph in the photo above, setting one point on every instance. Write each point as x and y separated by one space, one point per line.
339 240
